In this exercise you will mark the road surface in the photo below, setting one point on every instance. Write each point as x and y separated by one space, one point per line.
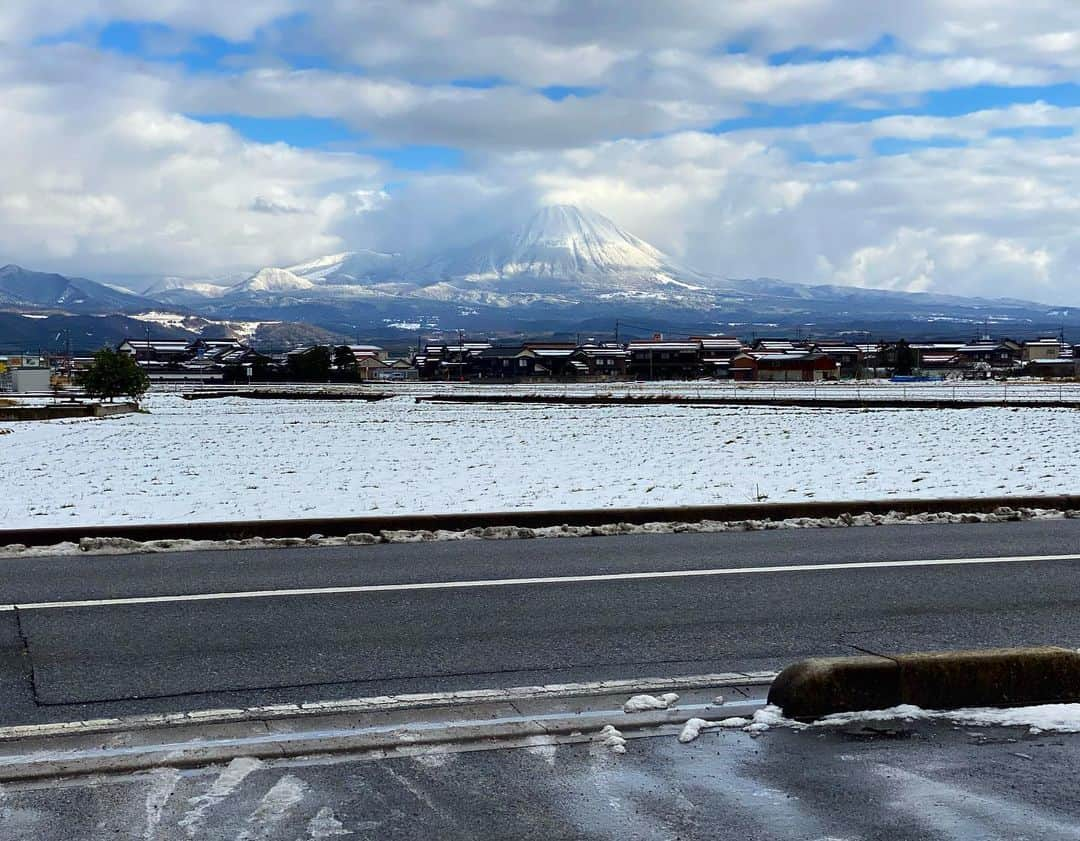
99 636
890 783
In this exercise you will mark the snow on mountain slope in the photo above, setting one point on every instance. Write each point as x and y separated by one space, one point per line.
565 246
273 280
205 288
561 254
350 268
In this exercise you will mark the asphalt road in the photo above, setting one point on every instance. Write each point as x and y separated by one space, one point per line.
891 782
62 661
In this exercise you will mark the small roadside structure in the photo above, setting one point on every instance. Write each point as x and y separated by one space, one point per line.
25 380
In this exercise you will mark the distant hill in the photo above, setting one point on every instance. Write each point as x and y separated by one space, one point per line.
29 290
50 333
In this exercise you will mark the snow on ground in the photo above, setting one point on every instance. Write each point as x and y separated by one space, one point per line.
1016 391
233 458
642 703
1057 718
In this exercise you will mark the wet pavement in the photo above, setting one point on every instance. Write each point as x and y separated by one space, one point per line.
890 781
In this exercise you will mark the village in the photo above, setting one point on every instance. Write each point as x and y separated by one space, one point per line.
657 358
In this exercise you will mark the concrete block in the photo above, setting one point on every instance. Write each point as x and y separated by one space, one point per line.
932 680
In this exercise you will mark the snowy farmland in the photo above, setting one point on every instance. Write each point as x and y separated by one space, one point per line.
233 458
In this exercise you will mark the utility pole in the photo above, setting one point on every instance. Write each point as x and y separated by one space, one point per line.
616 331
461 354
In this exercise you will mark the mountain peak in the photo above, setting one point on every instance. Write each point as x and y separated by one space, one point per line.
273 279
570 220
566 243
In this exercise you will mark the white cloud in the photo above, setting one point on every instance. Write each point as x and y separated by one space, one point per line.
23 20
995 218
98 181
104 173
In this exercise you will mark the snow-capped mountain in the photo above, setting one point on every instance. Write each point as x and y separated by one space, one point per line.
350 268
566 248
180 285
567 265
272 280
561 255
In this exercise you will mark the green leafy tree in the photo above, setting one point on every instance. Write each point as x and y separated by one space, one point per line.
905 359
344 360
312 365
113 374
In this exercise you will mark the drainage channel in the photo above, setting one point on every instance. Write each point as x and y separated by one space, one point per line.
524 717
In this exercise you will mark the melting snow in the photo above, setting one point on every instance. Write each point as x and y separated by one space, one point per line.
692 729
641 703
613 739
1056 718
224 785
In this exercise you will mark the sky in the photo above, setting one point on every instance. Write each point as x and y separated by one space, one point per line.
917 145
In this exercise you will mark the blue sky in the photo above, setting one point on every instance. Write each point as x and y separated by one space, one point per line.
211 54
925 145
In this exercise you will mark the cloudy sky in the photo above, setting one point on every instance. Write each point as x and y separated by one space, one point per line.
898 144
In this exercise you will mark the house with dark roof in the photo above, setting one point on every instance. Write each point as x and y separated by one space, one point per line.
606 361
657 359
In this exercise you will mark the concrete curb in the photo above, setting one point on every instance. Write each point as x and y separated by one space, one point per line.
386 704
343 526
945 680
372 728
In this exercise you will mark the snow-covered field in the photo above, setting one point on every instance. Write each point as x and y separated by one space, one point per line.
235 459
1018 391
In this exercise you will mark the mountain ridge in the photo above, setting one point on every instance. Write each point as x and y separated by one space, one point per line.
27 289
563 266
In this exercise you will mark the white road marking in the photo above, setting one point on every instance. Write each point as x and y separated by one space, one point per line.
528 582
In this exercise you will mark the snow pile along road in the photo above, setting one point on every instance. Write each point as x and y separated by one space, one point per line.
1043 718
122 545
1052 718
